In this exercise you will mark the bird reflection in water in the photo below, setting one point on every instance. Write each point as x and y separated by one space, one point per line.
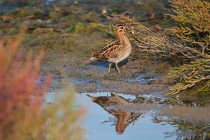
113 105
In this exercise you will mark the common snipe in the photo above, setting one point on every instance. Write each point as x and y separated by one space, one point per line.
117 103
116 51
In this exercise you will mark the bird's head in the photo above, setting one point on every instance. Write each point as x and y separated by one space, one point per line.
120 28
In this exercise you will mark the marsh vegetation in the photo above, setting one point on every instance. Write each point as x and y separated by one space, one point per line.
168 71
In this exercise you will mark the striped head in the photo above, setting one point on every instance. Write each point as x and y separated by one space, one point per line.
120 28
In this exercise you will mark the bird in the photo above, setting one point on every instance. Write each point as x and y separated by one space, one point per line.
117 103
105 101
116 51
121 115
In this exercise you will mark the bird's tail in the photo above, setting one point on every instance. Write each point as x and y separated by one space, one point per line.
92 58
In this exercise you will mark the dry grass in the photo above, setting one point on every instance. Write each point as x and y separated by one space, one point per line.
160 45
157 43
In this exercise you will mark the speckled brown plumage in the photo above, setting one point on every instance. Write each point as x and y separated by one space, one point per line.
116 51
123 117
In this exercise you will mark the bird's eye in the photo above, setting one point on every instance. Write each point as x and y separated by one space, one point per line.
121 27
120 30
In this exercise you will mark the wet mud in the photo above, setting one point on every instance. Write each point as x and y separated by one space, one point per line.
70 38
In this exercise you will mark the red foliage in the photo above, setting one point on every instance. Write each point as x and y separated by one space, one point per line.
20 87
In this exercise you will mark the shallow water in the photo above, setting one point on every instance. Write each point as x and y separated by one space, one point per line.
123 116
99 124
145 116
135 121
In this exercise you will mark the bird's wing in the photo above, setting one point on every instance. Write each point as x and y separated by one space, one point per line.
117 42
109 51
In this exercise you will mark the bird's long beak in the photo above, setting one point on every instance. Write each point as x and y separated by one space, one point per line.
92 58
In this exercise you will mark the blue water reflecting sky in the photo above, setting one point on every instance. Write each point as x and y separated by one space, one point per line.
144 128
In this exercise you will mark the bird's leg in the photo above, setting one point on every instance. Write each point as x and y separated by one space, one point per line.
110 64
117 68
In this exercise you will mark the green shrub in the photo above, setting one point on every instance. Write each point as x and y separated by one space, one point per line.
190 75
193 19
193 26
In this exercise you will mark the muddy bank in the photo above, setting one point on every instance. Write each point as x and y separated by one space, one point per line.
138 76
71 31
70 34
